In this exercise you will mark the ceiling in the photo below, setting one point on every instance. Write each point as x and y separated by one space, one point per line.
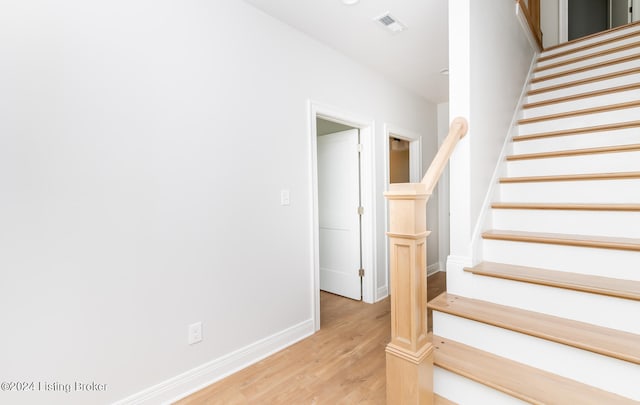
412 58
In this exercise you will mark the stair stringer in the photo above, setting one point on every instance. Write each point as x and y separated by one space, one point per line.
484 221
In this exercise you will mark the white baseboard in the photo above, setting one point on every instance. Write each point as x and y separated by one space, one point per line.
382 293
197 378
433 268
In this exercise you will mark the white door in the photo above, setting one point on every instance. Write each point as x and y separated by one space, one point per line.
338 201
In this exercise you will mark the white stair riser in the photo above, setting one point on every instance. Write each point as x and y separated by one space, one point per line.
590 51
583 103
587 62
622 264
625 224
596 163
603 372
586 74
587 120
584 88
608 312
464 391
625 136
586 191
599 38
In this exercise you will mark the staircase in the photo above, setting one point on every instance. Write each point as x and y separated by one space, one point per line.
553 312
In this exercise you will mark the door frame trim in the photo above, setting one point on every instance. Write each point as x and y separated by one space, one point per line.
367 180
415 176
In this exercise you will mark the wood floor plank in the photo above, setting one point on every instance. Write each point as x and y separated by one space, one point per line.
627 289
605 341
343 363
516 379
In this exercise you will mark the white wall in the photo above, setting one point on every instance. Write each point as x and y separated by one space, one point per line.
550 22
429 150
443 191
489 60
143 147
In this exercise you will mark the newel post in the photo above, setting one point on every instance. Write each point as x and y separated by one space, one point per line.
409 354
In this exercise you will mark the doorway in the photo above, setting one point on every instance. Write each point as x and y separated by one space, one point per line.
586 17
330 122
403 164
399 161
339 200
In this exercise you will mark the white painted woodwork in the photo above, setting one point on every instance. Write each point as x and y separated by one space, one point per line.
583 88
592 40
463 390
589 51
625 224
580 63
597 370
600 118
338 201
601 310
600 371
586 191
591 163
625 136
596 71
583 103
612 263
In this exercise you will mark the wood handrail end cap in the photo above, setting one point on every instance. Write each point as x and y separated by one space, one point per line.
463 124
407 190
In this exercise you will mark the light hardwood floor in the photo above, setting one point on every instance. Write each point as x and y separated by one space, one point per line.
343 363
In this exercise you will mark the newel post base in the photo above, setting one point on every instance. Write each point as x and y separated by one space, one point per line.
409 355
409 377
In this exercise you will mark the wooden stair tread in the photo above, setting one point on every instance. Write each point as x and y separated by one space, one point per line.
516 379
584 111
604 52
576 152
579 96
628 289
438 400
575 131
573 177
566 206
602 242
589 46
587 80
597 339
586 68
590 36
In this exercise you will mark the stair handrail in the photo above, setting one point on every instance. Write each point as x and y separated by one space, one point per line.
531 14
457 130
409 354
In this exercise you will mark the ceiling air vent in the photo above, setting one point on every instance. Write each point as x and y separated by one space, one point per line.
391 23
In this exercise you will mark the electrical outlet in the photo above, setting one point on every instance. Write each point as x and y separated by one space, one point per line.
195 333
